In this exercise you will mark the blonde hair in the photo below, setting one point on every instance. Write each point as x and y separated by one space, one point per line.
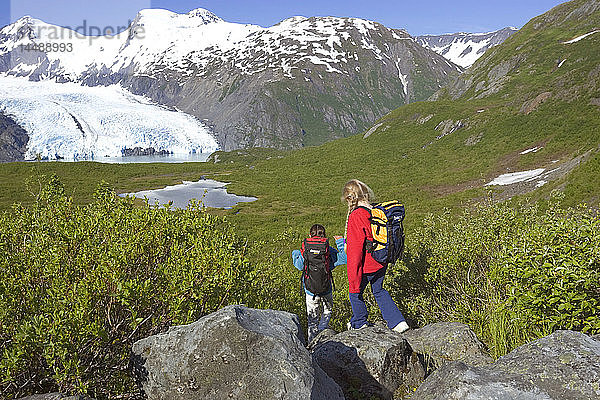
354 192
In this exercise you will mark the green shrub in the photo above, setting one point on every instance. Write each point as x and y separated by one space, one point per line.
513 273
79 285
551 273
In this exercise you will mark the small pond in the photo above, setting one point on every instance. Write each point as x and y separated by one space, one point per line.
212 194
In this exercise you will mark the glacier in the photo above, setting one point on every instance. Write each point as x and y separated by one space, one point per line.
74 122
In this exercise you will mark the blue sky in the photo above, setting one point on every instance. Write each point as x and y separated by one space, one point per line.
417 17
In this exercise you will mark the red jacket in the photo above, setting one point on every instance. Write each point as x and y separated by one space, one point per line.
359 262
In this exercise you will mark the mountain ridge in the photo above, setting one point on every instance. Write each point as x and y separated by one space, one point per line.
463 48
301 82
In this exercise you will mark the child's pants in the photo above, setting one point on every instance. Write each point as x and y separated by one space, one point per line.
318 311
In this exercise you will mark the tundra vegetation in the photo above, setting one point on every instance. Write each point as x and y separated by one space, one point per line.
84 274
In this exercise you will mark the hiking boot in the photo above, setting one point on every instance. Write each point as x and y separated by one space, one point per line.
401 327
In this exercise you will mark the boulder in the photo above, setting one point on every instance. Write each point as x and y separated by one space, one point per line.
234 353
457 380
443 342
373 362
562 366
323 336
565 364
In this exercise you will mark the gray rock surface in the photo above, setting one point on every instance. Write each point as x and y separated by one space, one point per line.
234 353
444 342
562 366
13 140
566 364
371 362
459 381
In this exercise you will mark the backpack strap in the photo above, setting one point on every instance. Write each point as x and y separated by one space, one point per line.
303 251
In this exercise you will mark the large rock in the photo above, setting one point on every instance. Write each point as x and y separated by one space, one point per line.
373 362
443 342
234 353
457 380
566 364
562 366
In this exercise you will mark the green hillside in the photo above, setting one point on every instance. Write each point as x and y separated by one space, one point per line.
513 270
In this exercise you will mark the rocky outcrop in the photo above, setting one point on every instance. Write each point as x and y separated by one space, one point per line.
529 106
13 140
243 353
374 362
234 353
443 342
562 366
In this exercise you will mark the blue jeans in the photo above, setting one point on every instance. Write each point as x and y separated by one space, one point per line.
386 304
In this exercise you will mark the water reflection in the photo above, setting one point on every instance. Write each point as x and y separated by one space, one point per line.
168 158
212 194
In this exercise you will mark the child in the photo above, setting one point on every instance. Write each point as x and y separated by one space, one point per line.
318 305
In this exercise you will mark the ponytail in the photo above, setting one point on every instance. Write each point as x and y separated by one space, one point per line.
353 193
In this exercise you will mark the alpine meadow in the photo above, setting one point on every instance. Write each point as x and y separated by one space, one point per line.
498 167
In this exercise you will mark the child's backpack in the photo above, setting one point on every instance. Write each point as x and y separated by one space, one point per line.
317 271
388 232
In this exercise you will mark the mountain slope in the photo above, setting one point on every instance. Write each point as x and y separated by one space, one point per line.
447 153
301 82
542 57
464 48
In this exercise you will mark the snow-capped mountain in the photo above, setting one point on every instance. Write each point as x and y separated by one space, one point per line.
300 82
464 48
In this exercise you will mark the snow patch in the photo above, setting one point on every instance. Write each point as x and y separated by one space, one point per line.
372 130
577 39
515 177
402 77
532 150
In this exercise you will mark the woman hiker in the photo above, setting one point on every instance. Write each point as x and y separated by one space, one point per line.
362 268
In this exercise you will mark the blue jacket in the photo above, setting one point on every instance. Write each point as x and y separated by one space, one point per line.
338 257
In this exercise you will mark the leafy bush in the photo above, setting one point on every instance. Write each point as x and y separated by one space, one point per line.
79 285
513 273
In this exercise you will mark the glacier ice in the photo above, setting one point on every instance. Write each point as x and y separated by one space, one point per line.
66 120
